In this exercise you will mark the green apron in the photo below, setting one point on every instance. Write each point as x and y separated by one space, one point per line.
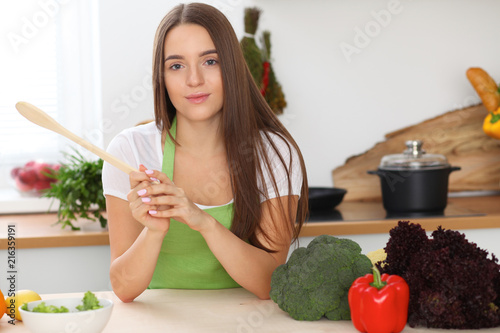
185 260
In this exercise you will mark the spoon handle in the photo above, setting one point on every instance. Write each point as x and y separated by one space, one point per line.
40 118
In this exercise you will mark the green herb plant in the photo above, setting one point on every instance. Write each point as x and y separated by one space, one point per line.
79 191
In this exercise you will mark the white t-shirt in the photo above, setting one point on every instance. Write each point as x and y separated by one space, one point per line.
142 145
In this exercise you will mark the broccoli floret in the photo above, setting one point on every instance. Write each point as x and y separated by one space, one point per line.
315 280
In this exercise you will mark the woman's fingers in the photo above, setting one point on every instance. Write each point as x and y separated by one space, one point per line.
152 189
139 210
140 180
143 188
133 194
162 200
137 177
159 176
156 196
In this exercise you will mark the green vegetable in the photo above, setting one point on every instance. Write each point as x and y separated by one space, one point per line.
79 190
315 280
90 302
42 307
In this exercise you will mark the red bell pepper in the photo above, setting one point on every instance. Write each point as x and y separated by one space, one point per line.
379 304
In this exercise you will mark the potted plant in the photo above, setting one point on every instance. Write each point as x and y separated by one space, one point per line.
79 191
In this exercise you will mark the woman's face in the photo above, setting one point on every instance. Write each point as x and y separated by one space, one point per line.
192 72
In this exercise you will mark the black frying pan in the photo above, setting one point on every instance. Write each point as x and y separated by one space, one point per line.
322 198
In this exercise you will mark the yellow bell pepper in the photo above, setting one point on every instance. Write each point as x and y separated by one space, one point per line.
491 124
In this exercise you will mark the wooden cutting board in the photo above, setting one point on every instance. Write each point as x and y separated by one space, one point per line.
456 134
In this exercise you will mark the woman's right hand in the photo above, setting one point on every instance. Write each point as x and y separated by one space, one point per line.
140 211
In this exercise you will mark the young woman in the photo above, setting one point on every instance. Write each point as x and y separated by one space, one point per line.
231 195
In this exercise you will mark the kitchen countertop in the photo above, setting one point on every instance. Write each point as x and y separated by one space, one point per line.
226 310
356 218
349 218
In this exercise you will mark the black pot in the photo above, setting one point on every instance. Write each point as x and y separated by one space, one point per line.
415 191
414 182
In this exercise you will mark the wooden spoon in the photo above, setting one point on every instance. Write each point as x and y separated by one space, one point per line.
37 116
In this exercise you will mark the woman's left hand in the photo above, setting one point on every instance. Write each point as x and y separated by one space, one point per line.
180 207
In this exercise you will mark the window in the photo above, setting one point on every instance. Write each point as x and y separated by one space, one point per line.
49 59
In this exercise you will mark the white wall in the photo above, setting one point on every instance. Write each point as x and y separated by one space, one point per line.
411 68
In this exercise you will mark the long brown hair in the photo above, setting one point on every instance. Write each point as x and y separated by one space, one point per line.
246 116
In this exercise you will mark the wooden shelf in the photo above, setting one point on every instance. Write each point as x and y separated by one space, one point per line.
40 231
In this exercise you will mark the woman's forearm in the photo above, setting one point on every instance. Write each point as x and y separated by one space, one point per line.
132 272
248 265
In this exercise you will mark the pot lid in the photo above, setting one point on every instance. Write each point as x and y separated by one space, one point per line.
414 157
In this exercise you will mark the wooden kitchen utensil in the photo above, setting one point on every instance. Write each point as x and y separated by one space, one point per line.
40 118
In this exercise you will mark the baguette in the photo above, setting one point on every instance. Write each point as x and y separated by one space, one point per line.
485 87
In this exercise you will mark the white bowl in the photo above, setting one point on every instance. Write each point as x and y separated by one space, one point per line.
91 321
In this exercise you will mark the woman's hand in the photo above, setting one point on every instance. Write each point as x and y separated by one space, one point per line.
138 197
165 201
